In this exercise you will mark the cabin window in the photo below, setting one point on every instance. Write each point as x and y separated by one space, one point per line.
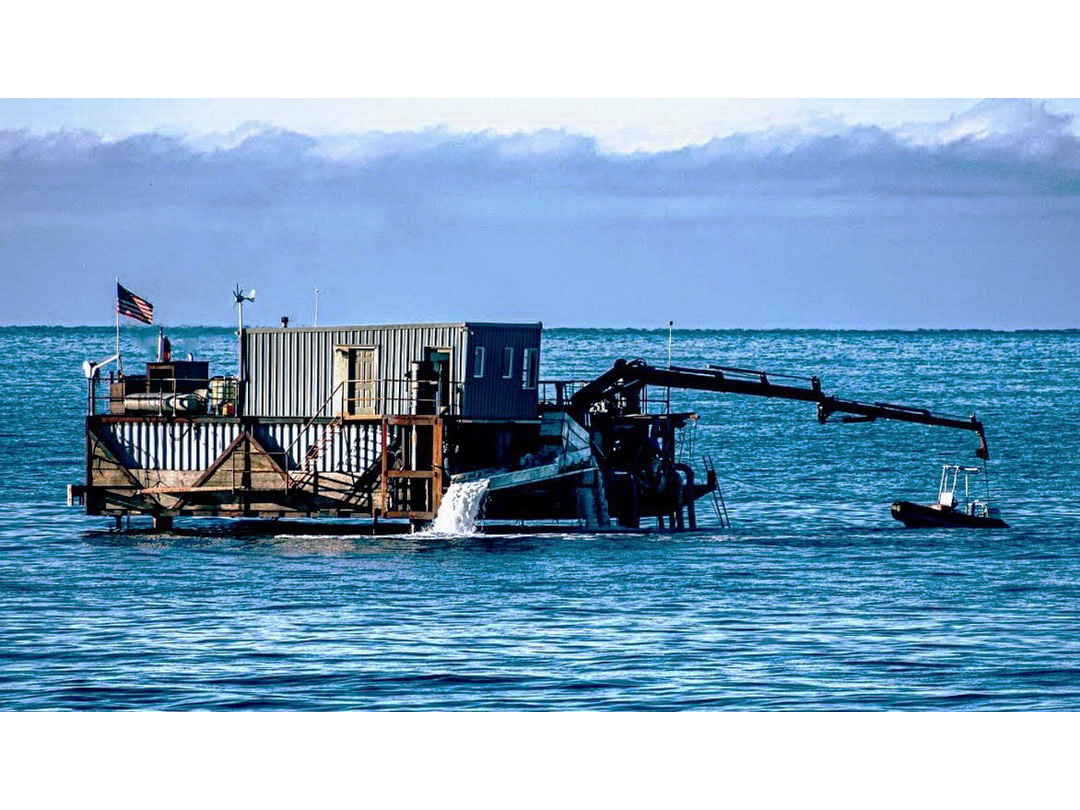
478 362
508 363
531 372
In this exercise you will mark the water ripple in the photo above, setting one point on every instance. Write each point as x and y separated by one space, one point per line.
815 601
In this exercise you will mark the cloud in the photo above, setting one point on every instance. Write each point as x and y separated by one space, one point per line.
807 210
68 146
1019 127
997 147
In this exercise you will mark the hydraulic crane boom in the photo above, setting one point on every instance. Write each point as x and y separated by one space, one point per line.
864 412
625 380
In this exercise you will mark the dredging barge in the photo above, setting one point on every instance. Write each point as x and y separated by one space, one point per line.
376 422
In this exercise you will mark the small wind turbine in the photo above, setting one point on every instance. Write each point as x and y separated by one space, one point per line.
240 297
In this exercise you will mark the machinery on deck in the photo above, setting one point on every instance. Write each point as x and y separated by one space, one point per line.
635 449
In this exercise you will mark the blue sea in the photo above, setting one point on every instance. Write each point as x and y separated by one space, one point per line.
814 599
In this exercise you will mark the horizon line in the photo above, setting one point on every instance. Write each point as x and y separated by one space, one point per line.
546 327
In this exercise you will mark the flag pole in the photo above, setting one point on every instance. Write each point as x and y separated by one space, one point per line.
119 360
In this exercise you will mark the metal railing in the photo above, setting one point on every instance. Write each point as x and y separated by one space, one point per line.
557 394
390 396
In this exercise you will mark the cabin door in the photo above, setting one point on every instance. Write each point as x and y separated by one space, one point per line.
361 380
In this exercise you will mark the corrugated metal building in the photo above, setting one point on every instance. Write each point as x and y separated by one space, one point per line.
485 370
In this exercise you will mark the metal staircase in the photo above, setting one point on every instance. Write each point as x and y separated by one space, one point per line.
307 474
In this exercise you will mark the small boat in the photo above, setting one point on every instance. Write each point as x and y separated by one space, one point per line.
948 511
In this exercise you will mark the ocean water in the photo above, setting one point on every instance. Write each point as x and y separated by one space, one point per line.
815 599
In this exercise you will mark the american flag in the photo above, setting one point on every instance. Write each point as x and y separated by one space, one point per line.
128 303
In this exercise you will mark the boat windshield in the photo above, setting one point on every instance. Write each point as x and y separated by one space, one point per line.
953 477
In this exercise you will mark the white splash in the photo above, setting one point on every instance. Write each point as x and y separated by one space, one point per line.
459 508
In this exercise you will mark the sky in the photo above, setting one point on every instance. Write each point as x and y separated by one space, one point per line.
744 213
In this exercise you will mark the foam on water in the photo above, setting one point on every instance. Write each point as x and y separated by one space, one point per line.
460 507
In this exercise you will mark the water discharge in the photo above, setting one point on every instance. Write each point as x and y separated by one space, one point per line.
460 507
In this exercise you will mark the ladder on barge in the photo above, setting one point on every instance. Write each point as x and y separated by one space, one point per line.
719 506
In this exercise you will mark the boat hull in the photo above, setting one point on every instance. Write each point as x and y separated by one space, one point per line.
915 515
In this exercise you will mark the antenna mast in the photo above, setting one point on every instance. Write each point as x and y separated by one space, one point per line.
240 297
